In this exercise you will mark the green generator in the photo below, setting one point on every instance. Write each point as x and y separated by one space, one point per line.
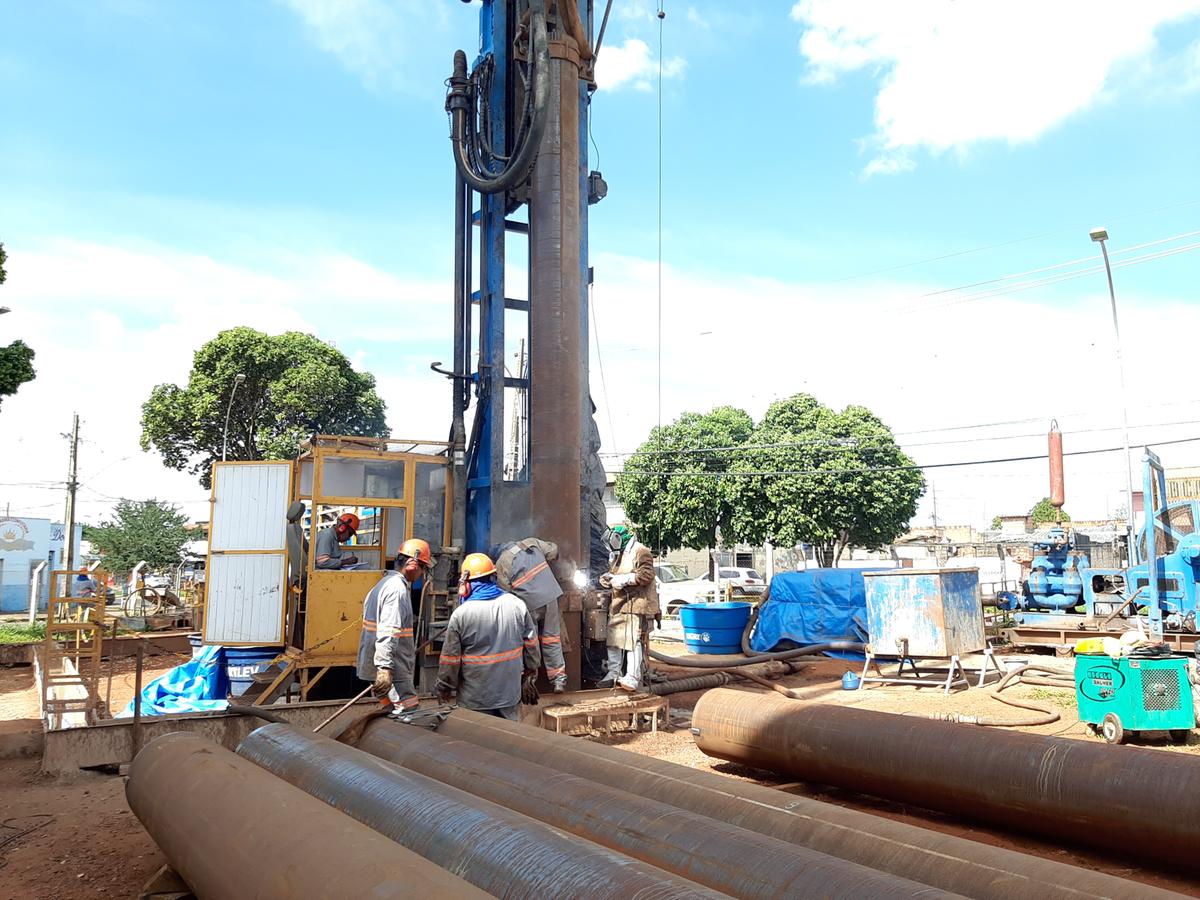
1119 697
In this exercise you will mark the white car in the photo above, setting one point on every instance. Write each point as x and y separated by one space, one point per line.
677 589
743 582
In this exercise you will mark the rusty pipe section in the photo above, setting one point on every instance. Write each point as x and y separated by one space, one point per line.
704 850
556 345
501 851
1058 492
947 862
232 829
1140 802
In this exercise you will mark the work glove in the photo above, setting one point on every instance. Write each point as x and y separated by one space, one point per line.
529 691
606 581
444 696
620 581
658 621
382 684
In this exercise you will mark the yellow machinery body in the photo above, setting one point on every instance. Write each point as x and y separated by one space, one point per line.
399 490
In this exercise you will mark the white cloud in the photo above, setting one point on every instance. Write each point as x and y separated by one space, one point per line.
848 344
952 74
631 64
374 39
110 322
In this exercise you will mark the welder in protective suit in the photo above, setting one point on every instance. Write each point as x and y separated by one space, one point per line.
386 653
490 646
524 569
634 607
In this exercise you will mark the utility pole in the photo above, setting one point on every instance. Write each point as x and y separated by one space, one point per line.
933 489
72 486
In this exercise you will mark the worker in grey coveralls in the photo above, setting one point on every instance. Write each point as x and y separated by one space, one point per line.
386 653
524 569
490 644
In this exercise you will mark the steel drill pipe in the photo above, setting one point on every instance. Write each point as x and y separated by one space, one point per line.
944 861
704 850
232 829
1068 790
501 851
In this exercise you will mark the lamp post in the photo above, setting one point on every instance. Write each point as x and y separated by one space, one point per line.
1100 235
238 379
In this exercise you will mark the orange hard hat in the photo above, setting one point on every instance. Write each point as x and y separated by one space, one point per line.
417 549
350 520
477 565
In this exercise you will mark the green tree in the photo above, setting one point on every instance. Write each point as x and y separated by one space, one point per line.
1043 512
16 360
833 479
296 386
140 530
996 523
682 509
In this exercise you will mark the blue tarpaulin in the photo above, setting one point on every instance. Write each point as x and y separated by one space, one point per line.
813 607
200 685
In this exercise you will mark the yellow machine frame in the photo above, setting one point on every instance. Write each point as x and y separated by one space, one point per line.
324 618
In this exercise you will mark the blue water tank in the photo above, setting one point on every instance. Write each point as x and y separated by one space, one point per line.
243 663
714 627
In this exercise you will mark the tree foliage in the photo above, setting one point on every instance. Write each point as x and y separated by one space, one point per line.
1043 512
16 360
296 386
140 530
831 479
682 510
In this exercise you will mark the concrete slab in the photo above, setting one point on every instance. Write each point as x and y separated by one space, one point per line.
111 742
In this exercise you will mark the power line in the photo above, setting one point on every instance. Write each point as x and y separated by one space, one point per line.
851 443
661 16
914 467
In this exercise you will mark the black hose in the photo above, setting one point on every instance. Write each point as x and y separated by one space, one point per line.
461 105
257 712
810 650
692 683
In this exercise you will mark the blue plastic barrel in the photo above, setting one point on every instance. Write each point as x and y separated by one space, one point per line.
714 627
243 663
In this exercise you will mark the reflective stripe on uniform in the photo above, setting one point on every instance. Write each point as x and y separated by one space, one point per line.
491 658
531 574
551 639
372 627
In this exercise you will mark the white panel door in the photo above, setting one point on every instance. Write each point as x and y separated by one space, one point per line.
247 560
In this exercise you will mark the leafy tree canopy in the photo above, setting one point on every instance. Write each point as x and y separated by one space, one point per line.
831 479
296 386
16 360
1043 512
682 510
140 530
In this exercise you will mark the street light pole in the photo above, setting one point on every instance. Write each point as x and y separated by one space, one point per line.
1100 235
238 379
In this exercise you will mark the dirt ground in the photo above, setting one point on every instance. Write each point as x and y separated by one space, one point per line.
85 843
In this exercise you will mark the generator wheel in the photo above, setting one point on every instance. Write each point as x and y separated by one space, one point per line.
1112 729
1180 735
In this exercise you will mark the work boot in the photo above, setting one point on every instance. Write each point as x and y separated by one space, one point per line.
607 681
560 685
628 684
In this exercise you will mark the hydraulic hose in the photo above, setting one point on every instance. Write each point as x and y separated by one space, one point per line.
810 650
1044 716
461 104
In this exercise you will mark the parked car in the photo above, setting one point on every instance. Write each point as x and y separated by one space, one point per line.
676 588
744 582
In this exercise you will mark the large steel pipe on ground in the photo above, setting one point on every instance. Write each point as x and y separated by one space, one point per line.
950 863
232 829
705 850
1139 802
501 851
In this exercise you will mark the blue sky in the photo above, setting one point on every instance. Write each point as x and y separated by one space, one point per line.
167 170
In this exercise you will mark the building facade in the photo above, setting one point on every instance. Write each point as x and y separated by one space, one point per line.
25 542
